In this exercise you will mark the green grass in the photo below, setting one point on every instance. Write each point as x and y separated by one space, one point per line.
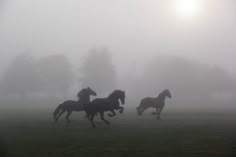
186 134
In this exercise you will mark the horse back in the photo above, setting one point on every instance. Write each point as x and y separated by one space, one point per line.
70 102
148 101
100 101
72 105
99 104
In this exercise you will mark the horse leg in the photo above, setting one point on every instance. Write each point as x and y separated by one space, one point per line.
68 115
112 115
121 109
102 118
159 113
59 115
91 117
141 110
155 112
86 116
138 110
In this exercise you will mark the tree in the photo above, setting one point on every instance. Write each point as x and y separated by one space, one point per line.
98 71
56 74
188 80
21 77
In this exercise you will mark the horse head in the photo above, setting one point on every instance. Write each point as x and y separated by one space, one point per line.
89 91
118 95
167 93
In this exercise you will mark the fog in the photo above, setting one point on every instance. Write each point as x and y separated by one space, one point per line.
50 49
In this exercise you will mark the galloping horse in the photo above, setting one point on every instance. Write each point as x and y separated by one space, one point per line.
100 105
158 103
71 105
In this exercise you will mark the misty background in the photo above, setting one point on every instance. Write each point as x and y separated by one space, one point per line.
50 49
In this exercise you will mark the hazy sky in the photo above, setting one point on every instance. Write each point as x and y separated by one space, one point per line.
133 30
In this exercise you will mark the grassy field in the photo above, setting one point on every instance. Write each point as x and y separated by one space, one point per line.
31 133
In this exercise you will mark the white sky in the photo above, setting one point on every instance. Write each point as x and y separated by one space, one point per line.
134 30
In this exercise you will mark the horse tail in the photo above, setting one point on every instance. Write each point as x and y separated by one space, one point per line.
57 110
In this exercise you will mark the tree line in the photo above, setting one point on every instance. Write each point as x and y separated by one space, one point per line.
54 76
191 82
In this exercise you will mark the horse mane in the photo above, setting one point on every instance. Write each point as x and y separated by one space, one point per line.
82 90
162 93
114 94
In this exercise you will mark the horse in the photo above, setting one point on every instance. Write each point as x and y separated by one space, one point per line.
70 105
158 103
101 105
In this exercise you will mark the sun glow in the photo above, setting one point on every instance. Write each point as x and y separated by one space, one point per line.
188 8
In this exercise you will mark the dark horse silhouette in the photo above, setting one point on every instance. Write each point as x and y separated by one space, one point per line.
100 105
70 105
158 103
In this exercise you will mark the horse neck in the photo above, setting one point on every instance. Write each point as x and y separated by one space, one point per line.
113 98
161 97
